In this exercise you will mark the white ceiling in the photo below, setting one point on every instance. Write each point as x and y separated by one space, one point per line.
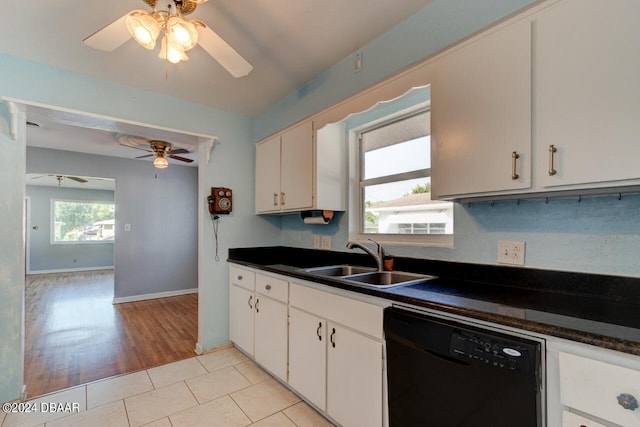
288 42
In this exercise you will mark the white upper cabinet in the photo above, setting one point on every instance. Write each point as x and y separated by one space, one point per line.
284 171
588 97
297 172
481 115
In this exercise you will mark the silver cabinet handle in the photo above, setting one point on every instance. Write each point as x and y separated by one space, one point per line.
282 198
249 302
333 333
627 401
267 287
514 160
275 199
318 331
552 152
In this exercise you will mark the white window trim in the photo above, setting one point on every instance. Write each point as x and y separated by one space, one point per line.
356 202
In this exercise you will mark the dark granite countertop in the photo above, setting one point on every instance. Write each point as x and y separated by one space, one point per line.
600 310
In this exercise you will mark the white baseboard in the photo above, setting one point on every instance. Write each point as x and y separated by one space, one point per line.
69 270
155 295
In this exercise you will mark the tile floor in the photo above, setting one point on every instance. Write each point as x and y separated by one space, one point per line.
221 388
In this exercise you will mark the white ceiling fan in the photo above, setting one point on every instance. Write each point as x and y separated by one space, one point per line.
178 35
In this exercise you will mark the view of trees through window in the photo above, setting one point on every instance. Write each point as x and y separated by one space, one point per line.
75 221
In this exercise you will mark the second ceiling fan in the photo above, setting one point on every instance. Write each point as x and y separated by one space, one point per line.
178 35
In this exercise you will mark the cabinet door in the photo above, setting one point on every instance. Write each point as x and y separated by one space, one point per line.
572 420
296 185
307 356
354 378
241 303
588 96
481 115
268 175
271 335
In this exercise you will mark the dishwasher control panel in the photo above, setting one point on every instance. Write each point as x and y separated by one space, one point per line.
489 350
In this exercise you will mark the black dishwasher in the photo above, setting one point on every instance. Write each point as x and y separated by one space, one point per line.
443 373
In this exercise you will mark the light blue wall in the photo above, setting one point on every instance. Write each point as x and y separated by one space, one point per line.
12 182
45 256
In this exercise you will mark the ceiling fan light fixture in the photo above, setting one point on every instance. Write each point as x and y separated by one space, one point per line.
172 52
144 28
160 162
182 32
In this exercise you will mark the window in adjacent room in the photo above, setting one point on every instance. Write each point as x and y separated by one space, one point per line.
395 182
82 221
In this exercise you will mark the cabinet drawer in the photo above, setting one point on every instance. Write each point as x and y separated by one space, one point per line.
357 315
275 288
572 420
241 277
593 387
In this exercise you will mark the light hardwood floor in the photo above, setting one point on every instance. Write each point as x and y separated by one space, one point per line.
74 334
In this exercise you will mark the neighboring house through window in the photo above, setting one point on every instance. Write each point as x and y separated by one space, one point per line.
394 177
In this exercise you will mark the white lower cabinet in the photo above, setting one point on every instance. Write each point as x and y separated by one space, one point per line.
270 341
572 420
258 315
336 367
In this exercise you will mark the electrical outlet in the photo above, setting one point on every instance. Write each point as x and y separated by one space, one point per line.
316 241
510 252
326 242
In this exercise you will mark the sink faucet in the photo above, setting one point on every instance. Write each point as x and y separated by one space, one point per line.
379 256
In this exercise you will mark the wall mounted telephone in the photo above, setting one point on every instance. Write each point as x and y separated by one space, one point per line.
220 201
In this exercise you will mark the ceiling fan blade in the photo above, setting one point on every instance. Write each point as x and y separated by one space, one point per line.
222 52
179 151
77 179
142 157
182 159
110 37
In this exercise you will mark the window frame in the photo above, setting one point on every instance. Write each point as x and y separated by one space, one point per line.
52 219
358 184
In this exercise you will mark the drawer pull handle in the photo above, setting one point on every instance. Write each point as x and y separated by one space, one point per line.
514 160
239 277
267 287
552 167
318 331
249 302
333 332
627 401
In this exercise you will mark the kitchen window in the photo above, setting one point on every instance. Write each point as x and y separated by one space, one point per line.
82 222
394 182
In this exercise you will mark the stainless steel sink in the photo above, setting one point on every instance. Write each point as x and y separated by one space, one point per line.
387 279
338 270
367 276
